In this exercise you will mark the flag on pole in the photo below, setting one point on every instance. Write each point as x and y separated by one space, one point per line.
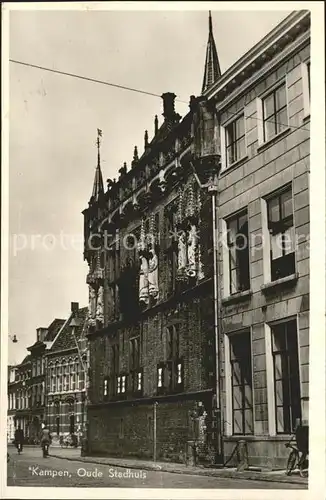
99 132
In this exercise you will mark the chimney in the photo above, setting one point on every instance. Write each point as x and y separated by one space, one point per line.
41 334
74 307
168 106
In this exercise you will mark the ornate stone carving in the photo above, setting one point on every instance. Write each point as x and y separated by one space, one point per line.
92 306
143 281
100 305
191 251
182 253
153 289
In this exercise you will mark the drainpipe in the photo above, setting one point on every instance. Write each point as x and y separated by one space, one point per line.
217 320
154 430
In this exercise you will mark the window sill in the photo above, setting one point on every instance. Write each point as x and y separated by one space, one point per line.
252 437
273 140
233 165
237 297
288 280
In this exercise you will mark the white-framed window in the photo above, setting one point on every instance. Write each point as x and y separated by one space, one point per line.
235 236
123 383
233 141
272 112
283 376
105 387
139 381
306 87
160 376
278 235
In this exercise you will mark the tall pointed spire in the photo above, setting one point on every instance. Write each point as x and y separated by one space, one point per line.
212 66
98 188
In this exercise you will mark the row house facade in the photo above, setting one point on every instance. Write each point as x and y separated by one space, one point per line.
65 381
199 310
262 105
18 414
11 409
36 382
49 385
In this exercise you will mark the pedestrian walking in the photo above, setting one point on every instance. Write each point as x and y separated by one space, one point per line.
19 439
46 440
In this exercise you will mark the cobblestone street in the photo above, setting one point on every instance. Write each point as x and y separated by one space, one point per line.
30 469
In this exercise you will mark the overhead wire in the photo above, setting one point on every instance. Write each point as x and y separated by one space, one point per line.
131 89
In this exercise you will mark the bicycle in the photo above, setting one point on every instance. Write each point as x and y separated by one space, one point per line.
63 442
298 457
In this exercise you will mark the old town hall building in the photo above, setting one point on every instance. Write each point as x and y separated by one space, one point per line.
199 310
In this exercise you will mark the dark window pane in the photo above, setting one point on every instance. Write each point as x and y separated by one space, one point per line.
281 120
270 130
230 135
232 230
286 204
240 149
240 355
239 127
230 154
280 97
274 210
237 422
269 106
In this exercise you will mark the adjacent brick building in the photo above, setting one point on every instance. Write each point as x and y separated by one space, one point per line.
65 375
36 383
19 393
11 410
153 341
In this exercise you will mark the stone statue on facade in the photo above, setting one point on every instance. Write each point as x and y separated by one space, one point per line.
92 305
182 252
100 305
143 281
153 289
191 251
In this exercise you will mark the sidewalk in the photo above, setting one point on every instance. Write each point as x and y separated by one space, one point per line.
272 476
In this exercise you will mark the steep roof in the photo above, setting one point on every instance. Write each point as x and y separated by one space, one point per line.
65 339
26 360
98 188
212 69
54 329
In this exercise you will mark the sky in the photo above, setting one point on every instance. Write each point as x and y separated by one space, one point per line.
54 121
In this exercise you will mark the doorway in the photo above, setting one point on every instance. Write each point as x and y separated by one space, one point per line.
57 424
72 424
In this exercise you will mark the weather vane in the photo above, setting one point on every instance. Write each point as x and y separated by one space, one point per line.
98 143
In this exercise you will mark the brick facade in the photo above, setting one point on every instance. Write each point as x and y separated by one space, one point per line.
66 376
249 129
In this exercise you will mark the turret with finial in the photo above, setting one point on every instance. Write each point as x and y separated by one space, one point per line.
135 158
212 69
123 170
146 140
98 189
